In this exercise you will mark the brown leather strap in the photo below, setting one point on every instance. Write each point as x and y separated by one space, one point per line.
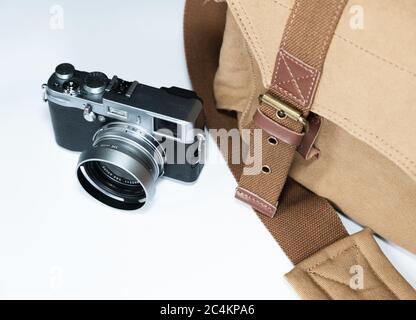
305 223
307 147
277 130
299 64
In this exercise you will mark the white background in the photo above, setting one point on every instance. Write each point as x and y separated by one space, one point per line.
56 241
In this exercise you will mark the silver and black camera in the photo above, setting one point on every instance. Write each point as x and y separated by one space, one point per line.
129 134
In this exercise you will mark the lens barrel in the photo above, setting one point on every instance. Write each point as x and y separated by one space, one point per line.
122 166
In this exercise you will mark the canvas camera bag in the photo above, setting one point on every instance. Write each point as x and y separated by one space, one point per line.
331 86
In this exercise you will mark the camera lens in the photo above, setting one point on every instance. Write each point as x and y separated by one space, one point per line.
122 166
116 174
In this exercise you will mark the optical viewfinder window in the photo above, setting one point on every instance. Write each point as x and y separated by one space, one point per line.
161 124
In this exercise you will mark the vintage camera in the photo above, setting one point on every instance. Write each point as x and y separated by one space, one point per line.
129 134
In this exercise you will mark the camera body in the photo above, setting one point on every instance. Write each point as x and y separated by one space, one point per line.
129 134
81 103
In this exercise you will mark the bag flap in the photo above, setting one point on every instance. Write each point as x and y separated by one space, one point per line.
369 79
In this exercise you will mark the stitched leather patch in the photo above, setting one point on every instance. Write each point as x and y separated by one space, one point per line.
294 80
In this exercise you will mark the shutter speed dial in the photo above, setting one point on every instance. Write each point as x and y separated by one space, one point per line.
95 82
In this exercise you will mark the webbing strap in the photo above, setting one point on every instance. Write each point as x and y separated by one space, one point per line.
305 223
299 63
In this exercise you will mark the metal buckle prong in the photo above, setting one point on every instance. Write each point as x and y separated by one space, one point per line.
280 106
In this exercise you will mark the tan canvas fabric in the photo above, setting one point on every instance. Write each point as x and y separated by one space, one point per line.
352 268
367 187
305 223
366 90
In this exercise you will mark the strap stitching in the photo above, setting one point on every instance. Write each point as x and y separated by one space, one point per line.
293 79
294 13
374 272
277 87
297 78
331 30
282 55
350 42
321 287
282 5
267 206
311 270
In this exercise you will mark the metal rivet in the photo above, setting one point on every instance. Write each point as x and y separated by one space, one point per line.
281 114
272 140
266 169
